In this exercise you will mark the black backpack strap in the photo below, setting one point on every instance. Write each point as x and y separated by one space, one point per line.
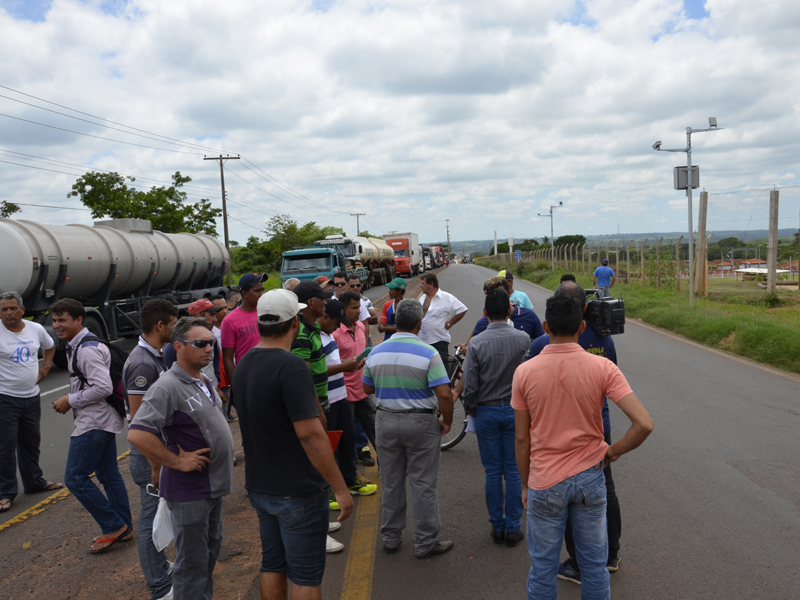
75 369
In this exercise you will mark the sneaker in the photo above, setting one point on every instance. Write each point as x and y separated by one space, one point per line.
168 595
332 503
365 458
332 546
569 573
170 566
334 526
613 563
439 548
363 489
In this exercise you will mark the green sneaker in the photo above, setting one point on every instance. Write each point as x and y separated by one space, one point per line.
360 489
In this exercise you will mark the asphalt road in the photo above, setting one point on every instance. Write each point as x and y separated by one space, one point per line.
709 502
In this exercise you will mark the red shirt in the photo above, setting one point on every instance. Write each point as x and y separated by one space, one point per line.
351 344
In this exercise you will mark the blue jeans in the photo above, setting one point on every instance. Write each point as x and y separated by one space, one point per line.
96 452
198 540
583 498
154 563
19 439
293 534
361 437
495 429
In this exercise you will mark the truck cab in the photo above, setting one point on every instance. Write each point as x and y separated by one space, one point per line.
306 263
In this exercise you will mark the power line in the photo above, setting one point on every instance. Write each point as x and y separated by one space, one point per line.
232 172
98 118
98 137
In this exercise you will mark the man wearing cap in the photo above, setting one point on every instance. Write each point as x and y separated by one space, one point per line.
240 328
205 309
518 298
604 279
308 344
397 291
290 461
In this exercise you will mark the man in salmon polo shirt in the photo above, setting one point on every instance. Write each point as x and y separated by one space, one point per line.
558 400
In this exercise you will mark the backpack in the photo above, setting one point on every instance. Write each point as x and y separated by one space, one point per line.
118 357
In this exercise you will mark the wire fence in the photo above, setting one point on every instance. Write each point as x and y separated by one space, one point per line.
735 226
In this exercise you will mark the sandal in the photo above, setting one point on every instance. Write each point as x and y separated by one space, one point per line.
110 541
50 486
5 505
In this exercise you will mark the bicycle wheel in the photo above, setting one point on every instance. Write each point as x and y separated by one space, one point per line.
459 428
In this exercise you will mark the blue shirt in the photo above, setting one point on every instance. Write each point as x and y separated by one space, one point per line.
522 319
593 344
604 275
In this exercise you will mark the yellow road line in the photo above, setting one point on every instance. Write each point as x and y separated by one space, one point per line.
361 554
42 506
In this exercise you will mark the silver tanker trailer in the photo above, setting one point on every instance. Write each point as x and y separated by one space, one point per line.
112 268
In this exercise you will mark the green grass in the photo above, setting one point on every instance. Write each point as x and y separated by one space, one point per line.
272 283
741 319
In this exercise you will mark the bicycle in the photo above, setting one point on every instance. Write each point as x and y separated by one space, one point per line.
459 428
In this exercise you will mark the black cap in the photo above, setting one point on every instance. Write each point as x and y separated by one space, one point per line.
335 309
305 290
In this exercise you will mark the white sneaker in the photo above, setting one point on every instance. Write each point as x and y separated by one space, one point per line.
334 526
332 546
169 569
168 595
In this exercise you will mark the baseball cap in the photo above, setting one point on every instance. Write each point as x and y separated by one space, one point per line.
201 306
278 306
605 261
248 279
335 309
398 283
505 274
322 281
305 290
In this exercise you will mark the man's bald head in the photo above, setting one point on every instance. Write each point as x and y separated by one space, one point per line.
573 290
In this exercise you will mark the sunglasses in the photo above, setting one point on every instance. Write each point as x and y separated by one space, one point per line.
198 343
340 284
355 285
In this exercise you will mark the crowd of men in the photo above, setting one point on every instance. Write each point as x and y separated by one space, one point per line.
299 366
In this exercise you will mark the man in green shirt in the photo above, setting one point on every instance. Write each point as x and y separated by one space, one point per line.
308 344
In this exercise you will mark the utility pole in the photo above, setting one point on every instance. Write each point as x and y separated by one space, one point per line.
222 160
358 222
448 237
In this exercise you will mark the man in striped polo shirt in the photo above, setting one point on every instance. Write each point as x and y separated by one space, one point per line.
308 344
410 384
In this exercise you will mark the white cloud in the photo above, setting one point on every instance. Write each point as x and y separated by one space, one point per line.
413 112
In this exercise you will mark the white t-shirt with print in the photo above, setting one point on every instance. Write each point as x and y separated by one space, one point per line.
19 359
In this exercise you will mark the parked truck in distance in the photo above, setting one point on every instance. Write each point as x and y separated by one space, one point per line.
372 254
437 255
427 254
308 262
407 253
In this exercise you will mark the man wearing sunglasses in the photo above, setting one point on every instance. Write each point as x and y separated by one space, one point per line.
341 284
196 465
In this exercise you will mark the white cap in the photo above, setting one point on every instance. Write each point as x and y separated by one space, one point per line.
279 304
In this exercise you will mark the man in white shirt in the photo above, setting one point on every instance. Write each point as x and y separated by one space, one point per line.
20 404
441 311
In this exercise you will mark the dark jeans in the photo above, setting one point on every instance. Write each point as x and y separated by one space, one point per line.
613 517
96 452
19 444
495 430
443 348
362 441
293 534
198 540
229 404
154 563
364 413
340 416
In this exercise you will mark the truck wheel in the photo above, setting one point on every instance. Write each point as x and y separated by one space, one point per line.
95 326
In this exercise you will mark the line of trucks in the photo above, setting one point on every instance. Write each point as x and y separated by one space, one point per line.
115 266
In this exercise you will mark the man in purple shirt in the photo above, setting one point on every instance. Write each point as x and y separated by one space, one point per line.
92 446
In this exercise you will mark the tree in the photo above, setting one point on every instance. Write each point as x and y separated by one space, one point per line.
165 207
367 234
566 240
8 208
730 242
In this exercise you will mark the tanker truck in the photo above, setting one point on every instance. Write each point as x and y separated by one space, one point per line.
112 268
373 254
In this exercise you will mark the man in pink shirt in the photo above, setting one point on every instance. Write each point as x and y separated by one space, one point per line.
558 400
239 331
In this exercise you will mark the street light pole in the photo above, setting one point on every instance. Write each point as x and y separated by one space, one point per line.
712 126
552 240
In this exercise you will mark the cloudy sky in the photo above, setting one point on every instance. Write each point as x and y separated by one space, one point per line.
413 112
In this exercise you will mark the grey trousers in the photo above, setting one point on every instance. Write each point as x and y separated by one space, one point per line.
605 291
198 539
409 443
